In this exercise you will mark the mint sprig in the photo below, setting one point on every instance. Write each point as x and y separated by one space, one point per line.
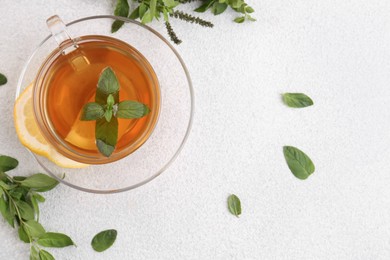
19 198
107 109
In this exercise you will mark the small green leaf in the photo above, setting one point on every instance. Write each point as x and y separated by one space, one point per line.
121 9
19 178
250 18
7 163
17 192
110 101
3 176
104 240
234 205
142 10
152 6
108 82
299 163
25 210
44 255
34 203
23 235
297 100
219 8
92 111
249 9
170 3
132 109
51 239
3 79
6 210
106 134
7 186
203 8
108 115
135 14
34 253
40 182
39 197
240 19
147 17
33 228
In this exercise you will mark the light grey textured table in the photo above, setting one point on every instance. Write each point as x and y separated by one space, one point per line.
335 51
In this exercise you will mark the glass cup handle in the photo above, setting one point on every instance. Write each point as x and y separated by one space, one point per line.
60 34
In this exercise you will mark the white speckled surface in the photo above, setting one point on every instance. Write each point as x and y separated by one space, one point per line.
335 51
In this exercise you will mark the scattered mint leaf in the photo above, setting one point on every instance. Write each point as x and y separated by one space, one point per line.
51 239
104 240
206 5
135 14
219 8
3 79
108 82
132 109
34 253
297 100
44 255
298 162
40 182
7 163
234 205
240 19
121 9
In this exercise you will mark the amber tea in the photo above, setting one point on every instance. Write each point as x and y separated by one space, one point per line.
70 82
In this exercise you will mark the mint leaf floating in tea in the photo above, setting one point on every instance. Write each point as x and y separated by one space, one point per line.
3 79
234 205
104 240
299 163
107 109
297 100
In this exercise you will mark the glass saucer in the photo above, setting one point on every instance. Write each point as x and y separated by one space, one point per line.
175 118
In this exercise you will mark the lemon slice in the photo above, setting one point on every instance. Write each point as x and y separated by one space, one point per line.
30 135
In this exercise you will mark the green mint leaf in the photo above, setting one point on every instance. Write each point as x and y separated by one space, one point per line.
147 17
23 235
240 19
234 205
40 182
135 14
152 6
297 100
110 101
203 8
19 178
34 203
170 3
34 253
7 211
250 18
25 210
51 239
44 255
298 162
122 9
219 8
104 240
249 9
92 111
131 109
108 115
7 163
142 10
33 228
108 82
7 186
3 79
3 176
38 197
106 134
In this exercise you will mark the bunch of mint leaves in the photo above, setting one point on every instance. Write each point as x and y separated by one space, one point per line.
19 199
107 109
148 10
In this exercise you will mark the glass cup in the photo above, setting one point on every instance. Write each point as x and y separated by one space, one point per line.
170 96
